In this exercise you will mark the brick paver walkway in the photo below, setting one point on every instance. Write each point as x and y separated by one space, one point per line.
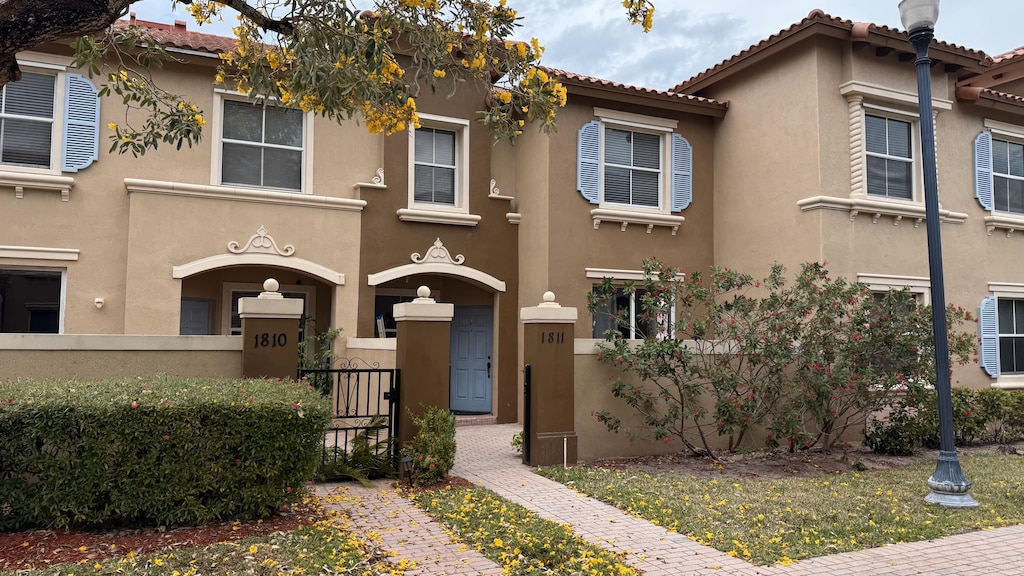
484 457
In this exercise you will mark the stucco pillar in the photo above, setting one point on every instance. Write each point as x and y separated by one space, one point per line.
270 333
549 421
423 354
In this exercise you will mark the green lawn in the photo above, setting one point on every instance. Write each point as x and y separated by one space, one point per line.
777 521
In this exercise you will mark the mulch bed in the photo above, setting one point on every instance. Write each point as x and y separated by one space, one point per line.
43 548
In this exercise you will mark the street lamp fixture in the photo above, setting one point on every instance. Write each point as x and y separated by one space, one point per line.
949 486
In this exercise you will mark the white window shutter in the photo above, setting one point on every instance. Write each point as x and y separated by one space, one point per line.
983 170
81 124
988 326
588 162
682 173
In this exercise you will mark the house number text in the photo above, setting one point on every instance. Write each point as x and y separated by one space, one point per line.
266 340
552 337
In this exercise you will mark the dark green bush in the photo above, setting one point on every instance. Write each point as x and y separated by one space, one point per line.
159 451
988 415
432 449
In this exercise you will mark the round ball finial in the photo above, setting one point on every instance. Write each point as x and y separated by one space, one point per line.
271 285
423 292
549 296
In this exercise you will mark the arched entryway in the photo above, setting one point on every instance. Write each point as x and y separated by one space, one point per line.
478 338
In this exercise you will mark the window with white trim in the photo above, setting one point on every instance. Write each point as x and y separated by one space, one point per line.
1011 335
262 145
31 301
439 172
628 161
622 312
999 174
890 158
434 166
49 120
1001 328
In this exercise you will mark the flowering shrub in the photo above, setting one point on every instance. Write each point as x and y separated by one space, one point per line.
432 449
725 353
159 451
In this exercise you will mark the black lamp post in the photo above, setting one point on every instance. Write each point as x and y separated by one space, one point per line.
949 485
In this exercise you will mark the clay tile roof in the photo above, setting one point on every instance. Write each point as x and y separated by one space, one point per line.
818 16
1011 55
178 36
997 95
573 77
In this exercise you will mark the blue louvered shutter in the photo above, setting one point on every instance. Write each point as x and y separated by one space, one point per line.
983 170
81 124
988 326
588 162
682 173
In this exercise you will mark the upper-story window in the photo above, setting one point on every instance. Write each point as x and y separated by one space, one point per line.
439 172
1008 176
49 121
999 175
26 120
890 160
632 168
630 161
435 166
262 145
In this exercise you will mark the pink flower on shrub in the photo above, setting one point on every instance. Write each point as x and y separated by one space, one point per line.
238 462
167 437
134 405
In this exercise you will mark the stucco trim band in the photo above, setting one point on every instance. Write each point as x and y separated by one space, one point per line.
878 208
135 185
371 343
441 268
429 311
38 253
250 259
119 342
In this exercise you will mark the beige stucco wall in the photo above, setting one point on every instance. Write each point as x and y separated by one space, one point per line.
94 357
787 137
129 243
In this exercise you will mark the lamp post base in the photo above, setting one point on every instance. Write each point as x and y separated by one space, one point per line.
949 485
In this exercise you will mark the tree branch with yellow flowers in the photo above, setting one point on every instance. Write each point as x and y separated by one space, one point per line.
320 56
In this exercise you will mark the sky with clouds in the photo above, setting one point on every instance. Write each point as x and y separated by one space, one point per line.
592 37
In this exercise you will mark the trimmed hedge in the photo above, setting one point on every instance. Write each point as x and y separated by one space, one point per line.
164 451
990 415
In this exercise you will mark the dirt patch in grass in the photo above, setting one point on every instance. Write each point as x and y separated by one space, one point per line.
779 464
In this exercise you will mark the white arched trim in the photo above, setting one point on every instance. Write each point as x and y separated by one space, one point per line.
442 268
250 259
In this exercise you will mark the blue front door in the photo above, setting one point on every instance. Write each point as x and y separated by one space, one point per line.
471 360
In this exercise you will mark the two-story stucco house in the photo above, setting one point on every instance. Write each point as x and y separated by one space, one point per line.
803 147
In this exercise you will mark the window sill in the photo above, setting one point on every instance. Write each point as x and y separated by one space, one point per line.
437 217
898 210
21 181
1009 222
1010 382
627 217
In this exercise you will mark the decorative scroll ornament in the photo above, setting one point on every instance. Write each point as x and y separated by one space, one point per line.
261 242
438 253
379 178
495 191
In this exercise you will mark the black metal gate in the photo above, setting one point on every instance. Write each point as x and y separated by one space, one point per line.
527 420
364 403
